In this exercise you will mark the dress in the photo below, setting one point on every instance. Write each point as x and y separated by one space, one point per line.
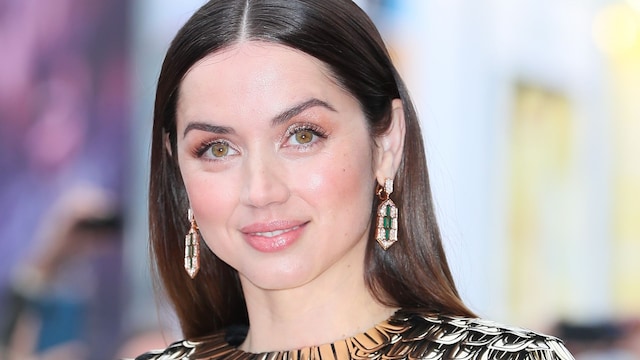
405 335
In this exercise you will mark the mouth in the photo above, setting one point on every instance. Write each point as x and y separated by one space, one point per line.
274 233
273 236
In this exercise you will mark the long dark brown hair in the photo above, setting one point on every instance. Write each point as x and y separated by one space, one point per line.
413 273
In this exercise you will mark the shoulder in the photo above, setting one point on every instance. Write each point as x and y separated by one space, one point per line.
181 350
450 337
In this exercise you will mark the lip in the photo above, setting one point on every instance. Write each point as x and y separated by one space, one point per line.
273 236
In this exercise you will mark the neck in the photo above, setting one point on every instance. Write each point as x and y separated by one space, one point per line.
319 312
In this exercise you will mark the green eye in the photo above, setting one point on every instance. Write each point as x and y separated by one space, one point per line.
220 149
304 136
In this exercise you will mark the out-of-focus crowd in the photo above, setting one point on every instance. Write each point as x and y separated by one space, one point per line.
64 113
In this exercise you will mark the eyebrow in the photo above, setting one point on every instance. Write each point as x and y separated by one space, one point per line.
286 115
281 118
207 127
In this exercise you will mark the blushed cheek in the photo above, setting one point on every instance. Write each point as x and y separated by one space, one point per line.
326 179
346 179
211 202
316 182
213 209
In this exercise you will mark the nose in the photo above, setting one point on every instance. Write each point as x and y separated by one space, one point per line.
264 182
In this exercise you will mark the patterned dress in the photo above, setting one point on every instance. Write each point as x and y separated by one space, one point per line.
405 335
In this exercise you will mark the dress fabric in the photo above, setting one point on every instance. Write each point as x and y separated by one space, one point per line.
405 335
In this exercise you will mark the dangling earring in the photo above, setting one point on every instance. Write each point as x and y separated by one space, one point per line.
192 247
387 221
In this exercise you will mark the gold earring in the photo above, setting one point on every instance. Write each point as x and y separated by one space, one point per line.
387 221
192 247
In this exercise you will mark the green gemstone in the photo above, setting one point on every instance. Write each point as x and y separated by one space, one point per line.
388 210
387 222
386 234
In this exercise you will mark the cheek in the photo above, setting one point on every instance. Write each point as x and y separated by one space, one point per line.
211 198
317 181
340 178
213 203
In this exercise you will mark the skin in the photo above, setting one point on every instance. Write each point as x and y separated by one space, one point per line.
280 171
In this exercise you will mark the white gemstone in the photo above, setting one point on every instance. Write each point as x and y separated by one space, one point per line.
388 186
394 211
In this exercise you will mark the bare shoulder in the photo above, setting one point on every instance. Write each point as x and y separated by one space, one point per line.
450 337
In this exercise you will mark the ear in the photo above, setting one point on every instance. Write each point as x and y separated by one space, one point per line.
390 145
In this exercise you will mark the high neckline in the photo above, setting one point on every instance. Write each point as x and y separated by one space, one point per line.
405 335
359 346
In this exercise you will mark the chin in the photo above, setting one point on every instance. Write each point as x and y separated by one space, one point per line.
275 279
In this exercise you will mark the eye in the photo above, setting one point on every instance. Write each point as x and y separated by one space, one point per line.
218 149
304 135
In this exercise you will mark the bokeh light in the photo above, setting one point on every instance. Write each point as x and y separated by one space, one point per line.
616 29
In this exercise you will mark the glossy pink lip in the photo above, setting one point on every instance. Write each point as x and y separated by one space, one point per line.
274 235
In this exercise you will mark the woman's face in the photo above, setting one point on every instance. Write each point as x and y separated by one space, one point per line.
278 165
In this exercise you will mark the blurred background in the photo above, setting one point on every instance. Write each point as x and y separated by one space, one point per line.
531 117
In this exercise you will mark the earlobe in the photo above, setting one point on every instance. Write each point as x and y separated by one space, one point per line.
391 144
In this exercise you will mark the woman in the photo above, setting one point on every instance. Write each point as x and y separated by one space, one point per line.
286 147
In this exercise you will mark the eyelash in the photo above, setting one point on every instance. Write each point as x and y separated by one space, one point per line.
291 131
314 129
206 146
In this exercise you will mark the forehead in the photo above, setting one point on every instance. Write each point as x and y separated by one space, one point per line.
253 65
257 49
252 78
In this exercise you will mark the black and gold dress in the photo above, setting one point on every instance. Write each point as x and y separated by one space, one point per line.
405 335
